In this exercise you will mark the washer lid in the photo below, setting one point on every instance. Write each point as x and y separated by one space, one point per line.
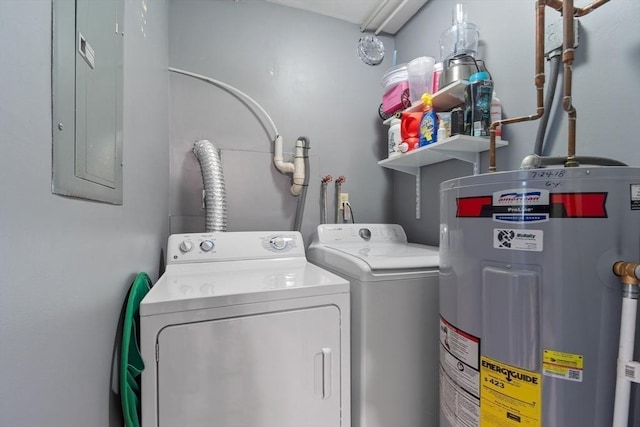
208 285
394 256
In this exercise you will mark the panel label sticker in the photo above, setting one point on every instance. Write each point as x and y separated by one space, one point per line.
459 408
459 376
463 346
635 197
510 396
567 366
521 205
518 240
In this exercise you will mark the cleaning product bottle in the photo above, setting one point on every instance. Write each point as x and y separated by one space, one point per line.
410 129
429 123
478 104
496 113
442 130
394 137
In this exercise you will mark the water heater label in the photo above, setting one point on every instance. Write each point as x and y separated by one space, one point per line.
635 197
567 366
510 396
459 376
518 240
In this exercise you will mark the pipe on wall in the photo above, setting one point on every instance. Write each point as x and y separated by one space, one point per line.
297 167
569 12
629 274
297 225
539 83
533 161
323 198
339 181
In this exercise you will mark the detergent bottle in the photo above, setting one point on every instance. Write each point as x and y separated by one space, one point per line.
410 129
429 123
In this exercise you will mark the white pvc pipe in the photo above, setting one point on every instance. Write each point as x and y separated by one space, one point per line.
297 167
625 354
281 165
231 89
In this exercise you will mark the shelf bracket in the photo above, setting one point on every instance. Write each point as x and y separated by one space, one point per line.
418 202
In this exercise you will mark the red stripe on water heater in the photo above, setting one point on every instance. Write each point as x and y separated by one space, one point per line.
581 205
471 207
561 205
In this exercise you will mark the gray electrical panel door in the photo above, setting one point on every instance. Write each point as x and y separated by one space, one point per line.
279 369
87 99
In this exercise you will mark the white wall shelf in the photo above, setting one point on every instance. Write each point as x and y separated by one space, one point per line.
461 147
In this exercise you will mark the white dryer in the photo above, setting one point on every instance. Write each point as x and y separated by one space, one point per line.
241 331
394 321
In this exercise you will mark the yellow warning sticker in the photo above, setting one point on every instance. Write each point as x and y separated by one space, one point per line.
567 366
509 396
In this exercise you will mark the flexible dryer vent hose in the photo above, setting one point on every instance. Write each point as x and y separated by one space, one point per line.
215 197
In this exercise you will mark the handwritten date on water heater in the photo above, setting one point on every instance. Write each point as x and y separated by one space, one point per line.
557 173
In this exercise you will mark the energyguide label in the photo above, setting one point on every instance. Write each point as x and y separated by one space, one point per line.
567 366
510 396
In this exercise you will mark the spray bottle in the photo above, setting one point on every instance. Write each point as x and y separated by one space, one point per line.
429 123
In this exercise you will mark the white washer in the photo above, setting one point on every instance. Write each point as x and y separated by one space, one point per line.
394 321
241 331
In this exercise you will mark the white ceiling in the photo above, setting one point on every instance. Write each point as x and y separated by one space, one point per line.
395 12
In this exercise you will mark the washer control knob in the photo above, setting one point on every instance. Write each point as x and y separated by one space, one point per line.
207 245
186 246
278 243
365 233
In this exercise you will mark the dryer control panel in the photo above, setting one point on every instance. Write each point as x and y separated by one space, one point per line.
358 233
229 246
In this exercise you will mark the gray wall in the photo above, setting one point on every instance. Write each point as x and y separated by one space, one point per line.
304 70
606 90
65 264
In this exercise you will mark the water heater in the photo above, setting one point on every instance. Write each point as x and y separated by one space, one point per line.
529 305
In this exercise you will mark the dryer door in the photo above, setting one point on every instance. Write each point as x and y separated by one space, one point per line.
278 369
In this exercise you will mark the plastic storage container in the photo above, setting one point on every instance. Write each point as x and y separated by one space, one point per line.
394 76
396 89
420 75
435 81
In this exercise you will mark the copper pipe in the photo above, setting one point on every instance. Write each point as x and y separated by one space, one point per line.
629 272
539 82
566 7
578 12
555 4
567 59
